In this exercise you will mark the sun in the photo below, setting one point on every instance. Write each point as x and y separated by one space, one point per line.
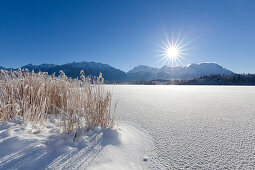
172 52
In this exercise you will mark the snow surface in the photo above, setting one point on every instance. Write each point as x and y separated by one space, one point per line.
159 127
34 147
193 127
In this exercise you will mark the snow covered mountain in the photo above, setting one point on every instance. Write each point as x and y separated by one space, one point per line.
73 70
141 72
188 72
143 68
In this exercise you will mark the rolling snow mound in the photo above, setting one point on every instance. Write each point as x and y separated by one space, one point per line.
35 147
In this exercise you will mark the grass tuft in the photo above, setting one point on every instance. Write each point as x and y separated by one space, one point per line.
78 103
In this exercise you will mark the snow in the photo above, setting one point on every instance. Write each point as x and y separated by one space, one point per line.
193 127
35 147
158 127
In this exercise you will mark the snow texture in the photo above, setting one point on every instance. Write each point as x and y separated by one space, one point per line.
193 127
34 147
160 127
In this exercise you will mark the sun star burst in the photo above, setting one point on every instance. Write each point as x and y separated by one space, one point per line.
173 51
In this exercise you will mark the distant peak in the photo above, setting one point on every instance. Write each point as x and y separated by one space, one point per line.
142 68
165 66
204 63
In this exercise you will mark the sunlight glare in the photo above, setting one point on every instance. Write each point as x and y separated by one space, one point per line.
172 52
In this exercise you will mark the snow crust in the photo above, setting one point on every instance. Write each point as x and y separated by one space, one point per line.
193 127
160 127
35 147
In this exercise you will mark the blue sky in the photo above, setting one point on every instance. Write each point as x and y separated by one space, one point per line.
124 33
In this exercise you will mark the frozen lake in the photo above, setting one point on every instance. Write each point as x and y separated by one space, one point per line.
193 126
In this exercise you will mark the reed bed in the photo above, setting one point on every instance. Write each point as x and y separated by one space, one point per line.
78 103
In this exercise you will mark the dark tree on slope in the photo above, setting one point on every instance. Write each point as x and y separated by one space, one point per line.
233 79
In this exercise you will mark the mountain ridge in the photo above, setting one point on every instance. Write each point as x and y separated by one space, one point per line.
190 71
141 72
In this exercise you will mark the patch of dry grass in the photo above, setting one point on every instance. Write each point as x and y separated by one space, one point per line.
77 103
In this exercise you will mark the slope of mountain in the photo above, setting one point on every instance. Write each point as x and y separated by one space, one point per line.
141 72
73 70
188 72
3 68
143 68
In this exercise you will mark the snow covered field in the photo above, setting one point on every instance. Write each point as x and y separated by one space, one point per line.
159 127
208 127
27 147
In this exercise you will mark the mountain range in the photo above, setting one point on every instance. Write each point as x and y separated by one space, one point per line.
141 72
187 72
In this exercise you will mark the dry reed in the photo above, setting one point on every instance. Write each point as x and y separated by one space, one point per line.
78 103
